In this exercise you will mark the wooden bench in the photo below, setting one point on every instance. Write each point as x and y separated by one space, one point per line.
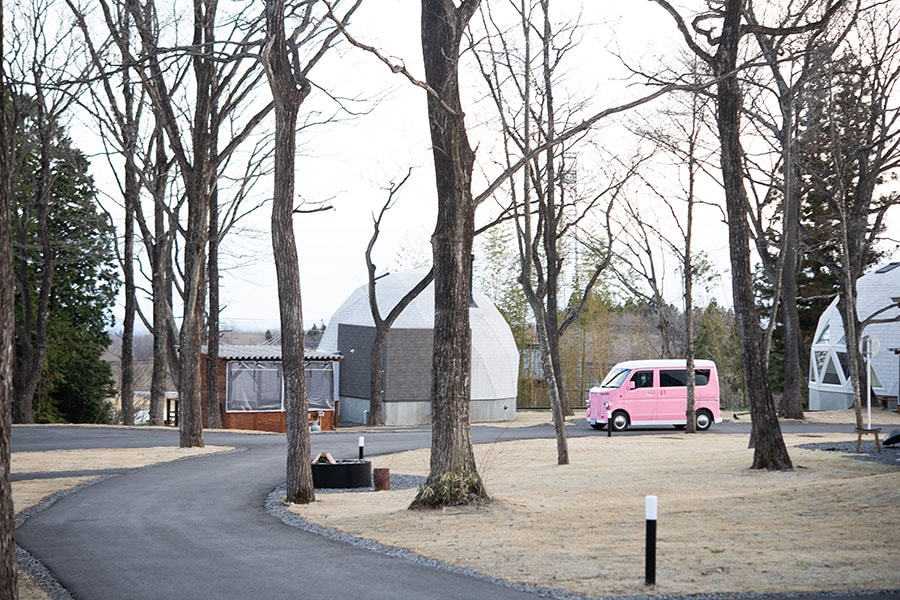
861 431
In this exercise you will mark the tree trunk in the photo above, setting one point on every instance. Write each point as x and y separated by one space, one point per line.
8 573
551 323
792 399
132 193
770 451
132 199
559 421
552 215
189 401
199 179
382 330
852 336
288 94
163 327
690 413
376 382
539 285
213 413
160 353
453 478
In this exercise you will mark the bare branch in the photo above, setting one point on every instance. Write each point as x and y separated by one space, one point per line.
395 67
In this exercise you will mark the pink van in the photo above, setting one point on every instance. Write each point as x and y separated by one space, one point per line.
654 393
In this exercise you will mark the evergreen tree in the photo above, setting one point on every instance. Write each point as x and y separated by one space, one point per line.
64 250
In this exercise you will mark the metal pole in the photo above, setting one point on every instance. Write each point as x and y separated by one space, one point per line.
650 517
362 447
868 342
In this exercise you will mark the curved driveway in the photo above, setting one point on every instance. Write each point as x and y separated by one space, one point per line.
198 528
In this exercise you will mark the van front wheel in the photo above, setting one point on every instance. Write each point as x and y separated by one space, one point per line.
704 420
619 421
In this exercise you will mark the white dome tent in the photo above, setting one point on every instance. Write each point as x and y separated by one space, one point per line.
830 387
407 360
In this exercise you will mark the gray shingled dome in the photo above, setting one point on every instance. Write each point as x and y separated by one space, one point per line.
495 358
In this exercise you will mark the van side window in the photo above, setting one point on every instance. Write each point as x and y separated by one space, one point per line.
672 378
701 377
643 379
678 377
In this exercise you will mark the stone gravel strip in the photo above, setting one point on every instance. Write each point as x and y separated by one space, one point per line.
889 455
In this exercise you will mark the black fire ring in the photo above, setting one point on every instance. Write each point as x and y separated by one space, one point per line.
342 474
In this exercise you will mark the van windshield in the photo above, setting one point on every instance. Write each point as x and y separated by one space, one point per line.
615 378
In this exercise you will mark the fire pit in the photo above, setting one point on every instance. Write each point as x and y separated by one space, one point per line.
330 473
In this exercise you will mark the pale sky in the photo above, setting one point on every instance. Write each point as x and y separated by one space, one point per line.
354 163
349 164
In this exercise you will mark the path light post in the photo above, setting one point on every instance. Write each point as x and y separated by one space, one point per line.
896 300
650 517
869 347
897 352
362 447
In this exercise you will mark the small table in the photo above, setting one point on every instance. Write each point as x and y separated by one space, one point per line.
861 431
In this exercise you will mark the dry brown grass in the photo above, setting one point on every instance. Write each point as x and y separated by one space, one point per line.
827 525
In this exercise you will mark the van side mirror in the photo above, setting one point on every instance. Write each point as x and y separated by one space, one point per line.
631 385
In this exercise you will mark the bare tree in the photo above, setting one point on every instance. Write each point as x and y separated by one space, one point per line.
640 267
383 324
213 410
850 140
158 241
224 79
453 477
8 573
443 24
289 89
521 68
288 80
197 168
119 113
789 62
682 141
720 53
123 124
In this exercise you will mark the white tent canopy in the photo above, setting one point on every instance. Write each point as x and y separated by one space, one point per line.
830 387
495 358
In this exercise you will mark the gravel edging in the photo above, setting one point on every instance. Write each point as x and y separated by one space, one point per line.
889 455
39 574
276 507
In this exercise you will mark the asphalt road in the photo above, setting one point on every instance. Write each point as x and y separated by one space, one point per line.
198 528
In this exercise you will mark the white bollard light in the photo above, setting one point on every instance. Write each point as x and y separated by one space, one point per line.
650 506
